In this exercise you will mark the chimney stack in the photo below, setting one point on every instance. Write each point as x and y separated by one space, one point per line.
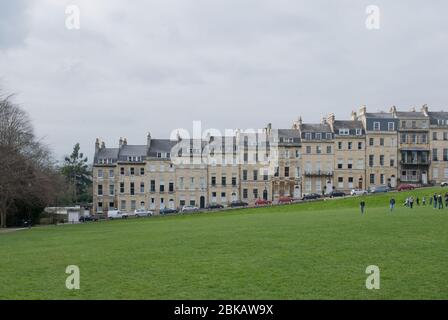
148 140
97 145
425 109
362 110
103 145
353 116
120 142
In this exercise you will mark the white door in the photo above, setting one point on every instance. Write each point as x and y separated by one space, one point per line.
297 192
424 178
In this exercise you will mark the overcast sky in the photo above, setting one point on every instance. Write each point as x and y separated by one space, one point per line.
139 66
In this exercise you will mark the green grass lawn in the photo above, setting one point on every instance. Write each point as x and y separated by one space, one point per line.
305 251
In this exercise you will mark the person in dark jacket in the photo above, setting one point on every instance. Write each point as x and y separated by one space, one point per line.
392 204
362 205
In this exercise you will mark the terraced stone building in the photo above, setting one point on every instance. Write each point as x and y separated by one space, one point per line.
368 149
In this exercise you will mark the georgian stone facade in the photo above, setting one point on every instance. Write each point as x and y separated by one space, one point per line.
369 149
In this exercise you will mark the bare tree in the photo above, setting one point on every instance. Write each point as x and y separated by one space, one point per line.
26 168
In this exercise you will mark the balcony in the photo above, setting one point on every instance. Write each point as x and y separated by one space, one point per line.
325 173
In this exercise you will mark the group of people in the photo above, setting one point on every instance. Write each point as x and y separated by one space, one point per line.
436 200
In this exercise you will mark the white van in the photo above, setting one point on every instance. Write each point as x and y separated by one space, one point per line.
116 214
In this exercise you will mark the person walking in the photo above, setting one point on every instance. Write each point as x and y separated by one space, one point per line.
418 201
392 204
362 205
435 200
446 200
411 202
424 201
440 201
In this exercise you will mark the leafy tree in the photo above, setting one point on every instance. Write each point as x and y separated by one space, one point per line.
78 174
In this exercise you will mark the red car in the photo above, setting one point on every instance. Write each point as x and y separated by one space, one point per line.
406 187
286 199
262 202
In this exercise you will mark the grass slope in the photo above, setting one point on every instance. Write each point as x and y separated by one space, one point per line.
305 251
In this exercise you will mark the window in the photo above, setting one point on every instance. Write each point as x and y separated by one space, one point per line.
308 136
123 205
111 173
132 188
255 191
142 171
340 161
121 187
244 175
358 132
318 149
435 173
255 174
213 181
265 175
371 158
100 173
328 149
390 126
414 124
381 160
371 142
403 124
308 149
350 164
372 178
100 189
318 136
381 141
111 189
350 182
340 145
403 138
171 187
434 155
392 162
359 145
244 193
328 136
162 186
381 178
133 205
286 171
350 145
340 182
233 181
223 181
131 170
434 136
153 185
344 132
445 154
142 187
376 126
159 155
445 136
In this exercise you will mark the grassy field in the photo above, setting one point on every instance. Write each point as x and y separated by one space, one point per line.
305 251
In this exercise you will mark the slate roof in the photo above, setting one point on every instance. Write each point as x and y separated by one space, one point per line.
347 124
315 127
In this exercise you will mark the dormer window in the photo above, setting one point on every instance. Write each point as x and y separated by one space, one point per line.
159 155
376 126
308 136
344 132
358 132
318 136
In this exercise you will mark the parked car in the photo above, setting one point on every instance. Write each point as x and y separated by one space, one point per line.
142 213
116 214
188 208
285 199
88 218
238 203
262 202
444 183
311 196
406 186
358 192
334 194
379 189
215 206
167 211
